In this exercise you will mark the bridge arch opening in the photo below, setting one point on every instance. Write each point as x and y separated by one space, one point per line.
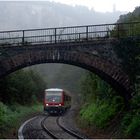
104 69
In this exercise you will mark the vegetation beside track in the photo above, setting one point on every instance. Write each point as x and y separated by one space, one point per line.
21 95
101 104
12 116
103 111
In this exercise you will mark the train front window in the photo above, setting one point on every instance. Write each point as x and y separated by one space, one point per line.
55 97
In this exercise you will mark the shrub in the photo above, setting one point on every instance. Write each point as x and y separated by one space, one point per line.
14 113
98 114
131 126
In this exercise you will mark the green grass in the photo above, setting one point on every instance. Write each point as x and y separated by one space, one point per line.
11 116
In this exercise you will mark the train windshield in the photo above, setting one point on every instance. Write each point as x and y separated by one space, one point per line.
54 96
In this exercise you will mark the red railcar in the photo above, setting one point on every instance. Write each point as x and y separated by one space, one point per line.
56 101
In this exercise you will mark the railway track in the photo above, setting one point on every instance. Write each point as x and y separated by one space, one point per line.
46 129
59 131
20 131
50 125
68 130
32 129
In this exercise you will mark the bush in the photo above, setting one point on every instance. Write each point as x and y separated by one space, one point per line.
98 114
131 126
131 121
14 113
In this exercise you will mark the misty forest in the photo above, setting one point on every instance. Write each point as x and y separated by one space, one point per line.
101 111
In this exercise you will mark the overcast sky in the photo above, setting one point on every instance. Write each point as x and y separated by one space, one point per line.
99 5
104 5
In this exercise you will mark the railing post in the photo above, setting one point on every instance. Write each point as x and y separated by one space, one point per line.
87 33
50 38
131 29
118 31
79 37
23 37
55 35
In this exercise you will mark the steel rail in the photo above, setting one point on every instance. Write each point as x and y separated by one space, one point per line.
46 129
20 130
68 130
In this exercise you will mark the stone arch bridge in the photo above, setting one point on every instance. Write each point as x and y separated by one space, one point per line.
89 47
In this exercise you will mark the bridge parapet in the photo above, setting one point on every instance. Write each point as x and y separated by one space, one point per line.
69 34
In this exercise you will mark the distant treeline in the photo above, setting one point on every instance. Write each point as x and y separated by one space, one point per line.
43 14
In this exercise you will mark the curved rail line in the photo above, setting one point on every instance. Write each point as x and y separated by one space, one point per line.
68 130
46 129
50 133
20 133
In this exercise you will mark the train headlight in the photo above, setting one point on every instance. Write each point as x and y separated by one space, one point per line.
59 104
46 104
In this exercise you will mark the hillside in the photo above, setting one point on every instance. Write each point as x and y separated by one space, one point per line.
24 15
131 16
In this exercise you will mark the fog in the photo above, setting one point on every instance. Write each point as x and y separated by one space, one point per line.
27 15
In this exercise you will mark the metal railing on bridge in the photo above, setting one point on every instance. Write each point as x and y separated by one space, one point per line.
69 34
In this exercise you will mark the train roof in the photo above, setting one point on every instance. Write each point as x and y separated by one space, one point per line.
54 89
